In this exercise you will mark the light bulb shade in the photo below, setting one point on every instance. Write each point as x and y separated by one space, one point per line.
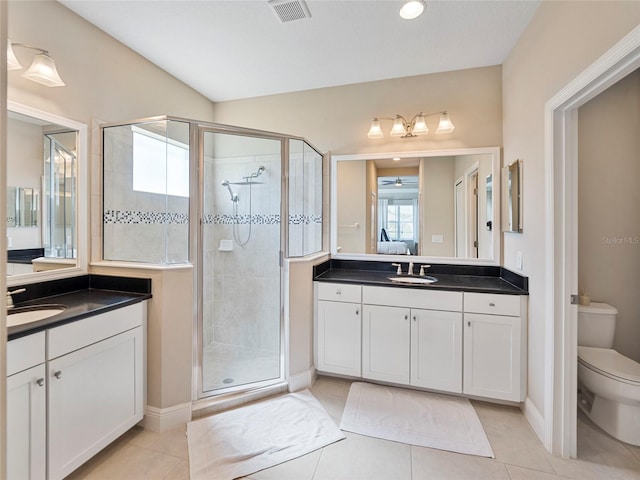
43 70
412 9
420 126
375 131
398 129
12 61
445 125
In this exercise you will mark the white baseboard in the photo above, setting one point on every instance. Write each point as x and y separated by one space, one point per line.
163 419
535 418
302 380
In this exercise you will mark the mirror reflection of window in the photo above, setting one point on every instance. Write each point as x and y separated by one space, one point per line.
398 212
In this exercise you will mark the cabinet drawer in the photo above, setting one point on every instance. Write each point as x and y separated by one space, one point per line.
25 352
492 304
74 336
412 298
339 292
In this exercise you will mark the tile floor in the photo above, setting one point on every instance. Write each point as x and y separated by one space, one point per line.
142 455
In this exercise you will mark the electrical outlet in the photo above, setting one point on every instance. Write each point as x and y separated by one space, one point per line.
519 260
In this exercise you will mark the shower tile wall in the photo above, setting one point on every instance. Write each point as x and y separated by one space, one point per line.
242 297
139 226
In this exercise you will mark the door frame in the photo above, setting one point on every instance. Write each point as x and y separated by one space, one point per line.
561 240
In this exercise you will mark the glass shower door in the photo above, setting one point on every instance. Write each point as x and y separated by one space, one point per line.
240 320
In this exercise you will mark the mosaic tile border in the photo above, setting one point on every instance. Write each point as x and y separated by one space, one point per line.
133 217
222 219
304 219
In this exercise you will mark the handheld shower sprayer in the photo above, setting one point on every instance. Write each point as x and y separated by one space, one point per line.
234 196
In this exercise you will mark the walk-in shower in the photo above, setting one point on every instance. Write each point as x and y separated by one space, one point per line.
234 202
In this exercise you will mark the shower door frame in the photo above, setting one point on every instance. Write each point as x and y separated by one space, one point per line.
197 211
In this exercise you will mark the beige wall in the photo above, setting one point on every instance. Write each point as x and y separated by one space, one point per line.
608 194
107 81
561 41
438 206
338 118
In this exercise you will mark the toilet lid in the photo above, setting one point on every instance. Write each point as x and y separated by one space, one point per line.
611 363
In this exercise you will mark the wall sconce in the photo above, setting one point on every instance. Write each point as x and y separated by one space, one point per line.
412 128
42 70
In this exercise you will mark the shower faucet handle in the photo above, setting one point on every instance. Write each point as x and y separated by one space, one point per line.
399 265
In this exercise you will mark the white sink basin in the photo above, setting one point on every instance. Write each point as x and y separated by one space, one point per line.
22 315
416 280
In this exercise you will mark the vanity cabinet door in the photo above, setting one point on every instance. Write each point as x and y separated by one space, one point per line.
385 343
436 350
338 333
26 424
95 395
492 356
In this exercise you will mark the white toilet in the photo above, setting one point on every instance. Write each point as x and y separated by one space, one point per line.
608 382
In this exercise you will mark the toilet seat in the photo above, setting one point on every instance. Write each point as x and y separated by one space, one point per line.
610 363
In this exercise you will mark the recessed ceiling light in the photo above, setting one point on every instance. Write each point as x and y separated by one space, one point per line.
396 159
412 9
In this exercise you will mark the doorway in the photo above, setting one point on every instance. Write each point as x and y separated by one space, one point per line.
561 120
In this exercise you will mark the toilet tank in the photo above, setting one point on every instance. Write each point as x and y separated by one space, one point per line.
596 325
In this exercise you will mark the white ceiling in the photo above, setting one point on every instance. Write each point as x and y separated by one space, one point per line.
231 49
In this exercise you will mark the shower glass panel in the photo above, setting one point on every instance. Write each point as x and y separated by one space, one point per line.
305 199
241 243
146 192
59 189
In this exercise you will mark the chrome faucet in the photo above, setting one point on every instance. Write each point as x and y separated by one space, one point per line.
399 265
10 298
422 267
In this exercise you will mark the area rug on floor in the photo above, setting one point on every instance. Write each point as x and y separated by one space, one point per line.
248 439
417 418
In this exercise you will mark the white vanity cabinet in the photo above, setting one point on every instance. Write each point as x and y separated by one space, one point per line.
72 390
95 385
495 346
338 328
466 343
26 408
412 337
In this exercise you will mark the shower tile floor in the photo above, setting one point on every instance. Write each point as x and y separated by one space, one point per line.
225 366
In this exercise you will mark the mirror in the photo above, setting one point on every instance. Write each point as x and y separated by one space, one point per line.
45 152
22 207
513 197
435 205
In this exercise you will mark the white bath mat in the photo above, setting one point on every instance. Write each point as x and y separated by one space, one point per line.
417 418
243 441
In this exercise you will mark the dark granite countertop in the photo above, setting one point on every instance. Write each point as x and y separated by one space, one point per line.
82 297
465 278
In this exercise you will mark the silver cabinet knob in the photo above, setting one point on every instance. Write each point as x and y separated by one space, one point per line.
338 292
406 317
492 304
414 318
40 382
469 324
357 312
58 374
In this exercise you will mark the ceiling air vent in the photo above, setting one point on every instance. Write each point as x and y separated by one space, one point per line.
288 10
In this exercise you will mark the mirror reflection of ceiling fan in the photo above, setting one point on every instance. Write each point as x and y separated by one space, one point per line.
398 181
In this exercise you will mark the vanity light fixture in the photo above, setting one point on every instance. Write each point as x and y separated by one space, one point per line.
411 128
412 9
42 70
